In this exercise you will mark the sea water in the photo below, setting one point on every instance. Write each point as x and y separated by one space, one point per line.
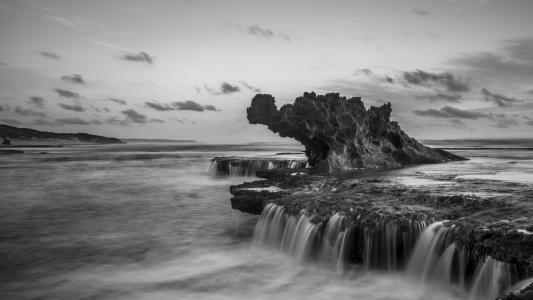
147 221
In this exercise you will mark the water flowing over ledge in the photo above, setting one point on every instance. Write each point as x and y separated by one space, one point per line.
249 166
422 251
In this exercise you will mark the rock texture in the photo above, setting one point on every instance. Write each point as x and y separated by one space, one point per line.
340 134
498 226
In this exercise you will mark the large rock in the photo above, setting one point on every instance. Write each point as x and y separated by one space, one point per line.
339 134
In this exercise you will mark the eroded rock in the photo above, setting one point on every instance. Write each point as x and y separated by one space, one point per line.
340 134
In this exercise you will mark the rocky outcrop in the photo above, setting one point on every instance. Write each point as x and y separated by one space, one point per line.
28 134
340 134
371 202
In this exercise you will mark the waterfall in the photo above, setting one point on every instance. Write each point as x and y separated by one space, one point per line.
220 166
491 279
299 237
427 251
428 255
389 246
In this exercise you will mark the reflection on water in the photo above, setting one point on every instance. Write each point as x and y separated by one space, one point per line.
146 222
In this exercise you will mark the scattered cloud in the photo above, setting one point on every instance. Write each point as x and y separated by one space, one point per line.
28 112
420 12
116 100
37 101
210 107
188 105
451 112
138 57
370 74
263 32
251 88
450 97
226 88
74 121
73 78
49 54
134 116
66 93
498 99
73 107
159 106
446 80
513 59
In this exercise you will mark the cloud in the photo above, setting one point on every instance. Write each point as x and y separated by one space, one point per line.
370 74
138 57
451 97
263 32
50 55
28 112
66 93
134 116
226 88
451 112
74 107
188 105
251 88
513 59
37 101
73 121
74 78
504 122
44 122
447 80
498 99
530 122
118 101
158 106
4 107
210 107
420 12
10 121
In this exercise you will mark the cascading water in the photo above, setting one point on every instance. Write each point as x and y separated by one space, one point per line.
432 258
248 167
492 279
388 247
299 237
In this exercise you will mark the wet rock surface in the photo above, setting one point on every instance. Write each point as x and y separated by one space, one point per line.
499 226
340 134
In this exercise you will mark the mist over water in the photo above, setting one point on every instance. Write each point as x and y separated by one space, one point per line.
146 221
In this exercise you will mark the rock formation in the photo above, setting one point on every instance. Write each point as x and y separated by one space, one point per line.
28 134
339 134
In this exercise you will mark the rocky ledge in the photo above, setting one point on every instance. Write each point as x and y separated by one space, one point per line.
373 204
340 134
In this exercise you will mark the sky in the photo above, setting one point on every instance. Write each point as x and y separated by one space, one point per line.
162 69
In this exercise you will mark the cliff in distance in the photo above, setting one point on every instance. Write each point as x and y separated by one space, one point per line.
340 134
27 134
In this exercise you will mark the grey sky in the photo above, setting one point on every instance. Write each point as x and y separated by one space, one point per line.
441 57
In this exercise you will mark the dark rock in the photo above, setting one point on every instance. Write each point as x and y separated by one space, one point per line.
339 134
525 293
32 134
6 142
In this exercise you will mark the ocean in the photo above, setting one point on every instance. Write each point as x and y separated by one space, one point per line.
148 221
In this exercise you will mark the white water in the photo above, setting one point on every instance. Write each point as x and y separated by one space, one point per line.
432 261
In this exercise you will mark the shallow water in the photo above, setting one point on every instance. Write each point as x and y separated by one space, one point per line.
145 221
